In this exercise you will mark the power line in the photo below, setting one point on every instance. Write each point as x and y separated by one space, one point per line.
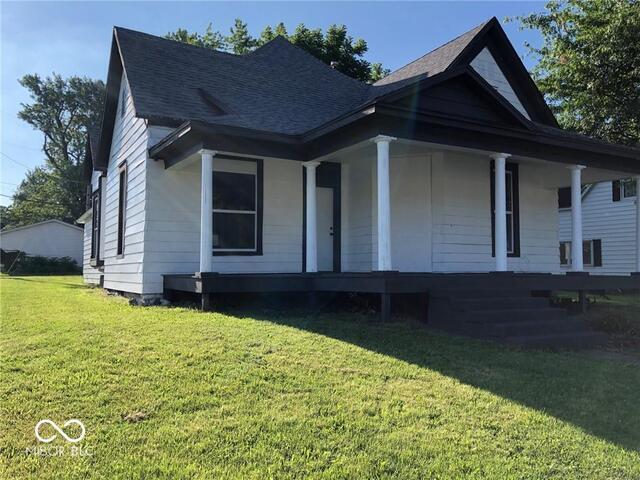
31 200
15 161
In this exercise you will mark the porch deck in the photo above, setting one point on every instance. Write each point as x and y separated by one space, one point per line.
498 306
394 282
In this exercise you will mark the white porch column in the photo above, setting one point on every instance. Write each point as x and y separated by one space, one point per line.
206 211
500 215
577 264
638 223
311 254
384 203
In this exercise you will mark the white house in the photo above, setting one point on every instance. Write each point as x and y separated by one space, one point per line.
51 238
609 226
216 172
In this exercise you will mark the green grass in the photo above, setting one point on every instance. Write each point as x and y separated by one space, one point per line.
295 396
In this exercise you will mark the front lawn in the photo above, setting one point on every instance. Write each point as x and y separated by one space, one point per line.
175 393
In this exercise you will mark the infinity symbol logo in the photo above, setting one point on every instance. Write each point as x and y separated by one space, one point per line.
59 430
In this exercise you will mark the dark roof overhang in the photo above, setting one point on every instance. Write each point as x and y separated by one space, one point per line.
405 124
192 137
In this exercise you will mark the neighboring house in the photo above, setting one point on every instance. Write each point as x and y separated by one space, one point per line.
51 238
276 166
609 226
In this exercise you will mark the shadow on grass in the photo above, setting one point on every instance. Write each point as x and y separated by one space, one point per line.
600 397
43 279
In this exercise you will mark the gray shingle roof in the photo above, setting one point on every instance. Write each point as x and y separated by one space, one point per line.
278 88
434 62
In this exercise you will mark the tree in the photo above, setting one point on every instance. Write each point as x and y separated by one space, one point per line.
38 197
240 39
61 109
334 46
211 39
589 65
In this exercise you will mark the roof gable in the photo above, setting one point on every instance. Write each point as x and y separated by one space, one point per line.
495 40
466 49
460 94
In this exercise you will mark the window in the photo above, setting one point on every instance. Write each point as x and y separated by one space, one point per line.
237 216
122 208
623 189
565 253
95 227
628 188
591 253
512 209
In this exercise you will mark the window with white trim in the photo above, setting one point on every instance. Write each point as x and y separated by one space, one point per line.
235 211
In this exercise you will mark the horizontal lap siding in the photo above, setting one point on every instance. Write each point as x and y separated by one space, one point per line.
462 217
130 142
173 223
90 274
357 218
611 222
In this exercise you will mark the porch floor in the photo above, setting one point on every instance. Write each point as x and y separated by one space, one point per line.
498 306
394 282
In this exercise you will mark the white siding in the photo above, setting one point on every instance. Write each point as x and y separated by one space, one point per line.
90 274
611 222
462 217
357 217
47 239
486 66
173 222
129 144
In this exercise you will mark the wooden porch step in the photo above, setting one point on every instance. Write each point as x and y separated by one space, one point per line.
516 315
537 327
586 339
467 294
500 303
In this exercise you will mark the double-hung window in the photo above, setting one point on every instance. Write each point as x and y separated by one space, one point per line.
95 226
591 253
122 208
512 209
628 187
237 210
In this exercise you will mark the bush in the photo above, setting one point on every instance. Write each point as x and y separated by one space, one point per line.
37 265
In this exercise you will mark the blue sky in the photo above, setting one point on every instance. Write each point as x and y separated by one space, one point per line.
73 38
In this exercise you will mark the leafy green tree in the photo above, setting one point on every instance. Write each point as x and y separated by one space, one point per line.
210 39
335 46
239 39
589 65
378 72
60 109
38 197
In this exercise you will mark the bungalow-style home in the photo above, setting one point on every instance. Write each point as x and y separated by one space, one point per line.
609 227
273 172
50 238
